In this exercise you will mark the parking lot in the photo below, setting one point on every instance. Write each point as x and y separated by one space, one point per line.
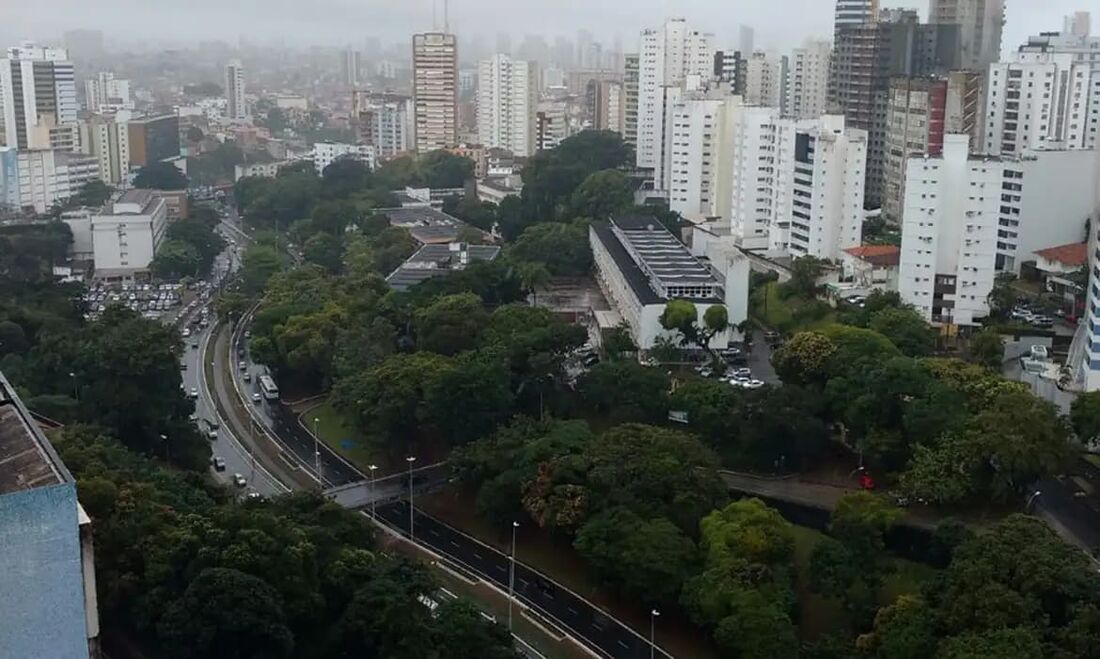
150 300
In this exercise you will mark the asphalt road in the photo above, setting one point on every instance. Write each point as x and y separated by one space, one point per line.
580 618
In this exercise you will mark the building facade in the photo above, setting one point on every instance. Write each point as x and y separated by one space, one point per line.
40 178
507 96
949 234
807 90
38 92
435 91
669 55
325 153
630 99
980 25
764 79
236 109
127 233
107 139
153 139
385 122
105 93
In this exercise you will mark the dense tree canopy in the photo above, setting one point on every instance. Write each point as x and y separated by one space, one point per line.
160 176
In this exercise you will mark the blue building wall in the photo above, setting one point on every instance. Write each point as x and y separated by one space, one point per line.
41 581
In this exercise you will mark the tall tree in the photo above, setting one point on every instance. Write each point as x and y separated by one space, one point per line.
160 176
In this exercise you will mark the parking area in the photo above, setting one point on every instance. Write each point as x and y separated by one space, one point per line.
150 300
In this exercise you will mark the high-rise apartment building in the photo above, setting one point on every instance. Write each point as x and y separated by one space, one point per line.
669 55
38 91
920 112
507 96
980 24
1077 25
551 124
40 178
807 89
153 139
1043 99
949 233
350 61
630 99
105 93
699 153
746 39
854 13
607 105
108 140
384 122
435 91
764 80
235 107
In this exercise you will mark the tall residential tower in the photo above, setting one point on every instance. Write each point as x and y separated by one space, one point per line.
435 91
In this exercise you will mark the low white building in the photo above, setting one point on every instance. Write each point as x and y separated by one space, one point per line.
127 233
640 267
949 233
324 153
495 189
261 169
871 267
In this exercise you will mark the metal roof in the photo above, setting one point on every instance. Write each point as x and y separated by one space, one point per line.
27 460
434 260
659 254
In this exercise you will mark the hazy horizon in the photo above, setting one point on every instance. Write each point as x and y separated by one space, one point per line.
341 22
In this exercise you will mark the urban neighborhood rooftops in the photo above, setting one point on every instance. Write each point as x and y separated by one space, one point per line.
877 255
434 260
427 225
1073 254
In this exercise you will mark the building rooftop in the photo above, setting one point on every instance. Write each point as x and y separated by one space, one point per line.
880 255
27 460
427 225
434 260
655 265
1071 254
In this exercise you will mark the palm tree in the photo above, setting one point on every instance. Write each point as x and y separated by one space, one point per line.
532 275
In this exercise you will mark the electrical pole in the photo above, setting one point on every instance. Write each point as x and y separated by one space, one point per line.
411 460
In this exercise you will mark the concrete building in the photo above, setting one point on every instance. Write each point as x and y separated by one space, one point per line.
236 109
153 139
435 91
920 112
949 234
640 267
105 93
871 267
551 124
607 105
1047 97
765 80
826 193
980 24
760 167
47 566
507 96
40 178
669 55
262 170
1085 352
385 122
437 260
699 151
350 67
108 139
127 233
854 13
729 67
325 153
630 99
1077 25
38 92
807 90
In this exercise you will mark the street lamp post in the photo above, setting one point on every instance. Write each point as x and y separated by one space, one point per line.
512 575
1031 499
652 627
164 438
76 389
317 455
411 460
372 468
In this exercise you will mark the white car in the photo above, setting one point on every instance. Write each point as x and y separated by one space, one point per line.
753 384
256 397
194 392
239 480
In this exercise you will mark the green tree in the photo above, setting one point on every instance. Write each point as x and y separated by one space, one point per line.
325 250
757 629
391 398
176 259
905 629
626 390
805 359
469 400
601 195
1015 643
443 169
93 194
344 177
644 558
987 348
1084 414
451 324
334 217
562 248
462 632
682 316
804 274
228 614
906 329
160 176
258 265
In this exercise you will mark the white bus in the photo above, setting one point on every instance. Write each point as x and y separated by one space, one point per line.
267 386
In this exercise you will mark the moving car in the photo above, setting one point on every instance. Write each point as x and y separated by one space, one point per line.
239 480
194 392
256 397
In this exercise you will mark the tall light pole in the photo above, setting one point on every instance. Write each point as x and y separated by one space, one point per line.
372 468
411 460
652 627
512 575
317 455
1031 499
76 390
164 438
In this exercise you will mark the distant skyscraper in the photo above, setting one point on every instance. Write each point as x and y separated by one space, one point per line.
350 67
1078 25
748 40
38 91
669 55
506 98
853 13
808 80
435 91
234 91
980 25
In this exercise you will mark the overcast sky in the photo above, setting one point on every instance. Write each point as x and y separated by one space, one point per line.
778 23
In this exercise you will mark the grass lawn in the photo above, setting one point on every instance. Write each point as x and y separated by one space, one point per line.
782 314
341 435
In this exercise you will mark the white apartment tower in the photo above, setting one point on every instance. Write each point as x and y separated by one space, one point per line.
105 93
699 154
949 233
435 91
807 91
108 139
630 99
235 108
507 96
668 56
764 80
760 141
38 91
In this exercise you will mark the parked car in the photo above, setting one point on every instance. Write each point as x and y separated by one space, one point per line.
239 480
218 463
1044 322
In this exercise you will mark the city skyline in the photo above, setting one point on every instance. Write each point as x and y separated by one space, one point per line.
336 22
